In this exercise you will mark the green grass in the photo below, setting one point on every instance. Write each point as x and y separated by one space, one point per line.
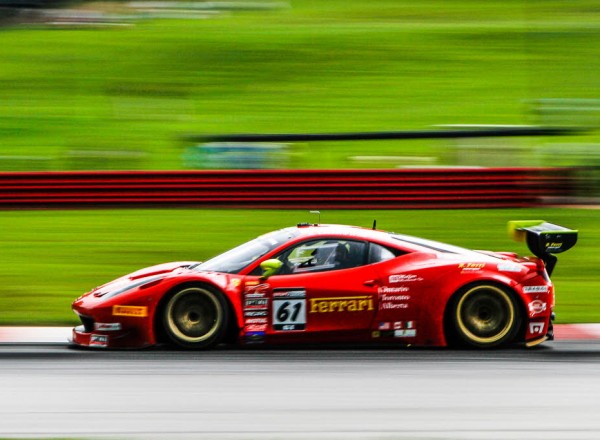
316 66
51 257
86 98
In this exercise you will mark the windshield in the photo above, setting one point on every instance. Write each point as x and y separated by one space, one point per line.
238 258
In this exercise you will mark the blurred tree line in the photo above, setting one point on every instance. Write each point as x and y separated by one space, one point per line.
18 10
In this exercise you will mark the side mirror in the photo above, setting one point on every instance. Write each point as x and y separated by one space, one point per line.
270 267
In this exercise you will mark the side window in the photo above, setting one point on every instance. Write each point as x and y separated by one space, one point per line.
322 255
378 253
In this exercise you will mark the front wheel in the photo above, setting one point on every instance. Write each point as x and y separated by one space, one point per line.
485 316
195 317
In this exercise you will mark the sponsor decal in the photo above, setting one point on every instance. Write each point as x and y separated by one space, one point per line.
401 289
375 334
404 278
254 295
256 328
509 267
553 247
385 326
535 289
254 287
107 327
289 309
258 303
254 313
98 340
536 328
256 321
395 297
405 329
393 302
341 304
296 293
536 307
406 333
471 267
234 283
392 306
135 311
255 337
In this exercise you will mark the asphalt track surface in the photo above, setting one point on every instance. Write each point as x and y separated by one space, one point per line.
547 392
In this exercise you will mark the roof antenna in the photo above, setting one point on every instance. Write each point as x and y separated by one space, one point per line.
319 214
374 224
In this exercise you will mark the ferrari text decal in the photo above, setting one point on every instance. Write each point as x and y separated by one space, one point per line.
136 311
289 310
341 304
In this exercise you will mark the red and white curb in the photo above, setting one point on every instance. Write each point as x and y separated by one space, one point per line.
576 331
61 335
35 335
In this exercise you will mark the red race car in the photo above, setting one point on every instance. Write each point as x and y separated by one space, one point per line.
329 283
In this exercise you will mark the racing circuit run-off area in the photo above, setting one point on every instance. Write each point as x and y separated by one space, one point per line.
547 392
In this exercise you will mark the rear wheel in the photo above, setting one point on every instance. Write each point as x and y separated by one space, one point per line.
195 317
485 316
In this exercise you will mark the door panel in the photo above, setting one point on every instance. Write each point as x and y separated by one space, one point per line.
310 304
399 296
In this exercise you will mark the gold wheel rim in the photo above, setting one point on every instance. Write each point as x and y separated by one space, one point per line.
194 314
485 314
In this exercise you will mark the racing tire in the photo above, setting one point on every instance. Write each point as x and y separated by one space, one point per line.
196 317
485 316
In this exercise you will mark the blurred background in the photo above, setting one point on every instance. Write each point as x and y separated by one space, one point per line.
125 85
88 85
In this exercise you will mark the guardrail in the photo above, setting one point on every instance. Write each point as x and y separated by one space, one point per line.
298 189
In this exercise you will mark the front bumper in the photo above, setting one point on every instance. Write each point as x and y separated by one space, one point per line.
89 335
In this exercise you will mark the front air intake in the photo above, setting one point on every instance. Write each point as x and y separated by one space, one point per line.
88 323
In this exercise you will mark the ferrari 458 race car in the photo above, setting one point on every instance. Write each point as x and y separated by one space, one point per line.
318 283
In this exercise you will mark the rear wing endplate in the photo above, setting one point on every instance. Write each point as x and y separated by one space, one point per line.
543 239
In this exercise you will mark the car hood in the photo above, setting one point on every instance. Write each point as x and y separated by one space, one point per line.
141 276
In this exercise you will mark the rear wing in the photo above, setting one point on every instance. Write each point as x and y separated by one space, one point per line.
543 239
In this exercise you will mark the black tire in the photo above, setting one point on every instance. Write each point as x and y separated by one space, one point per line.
196 317
485 316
